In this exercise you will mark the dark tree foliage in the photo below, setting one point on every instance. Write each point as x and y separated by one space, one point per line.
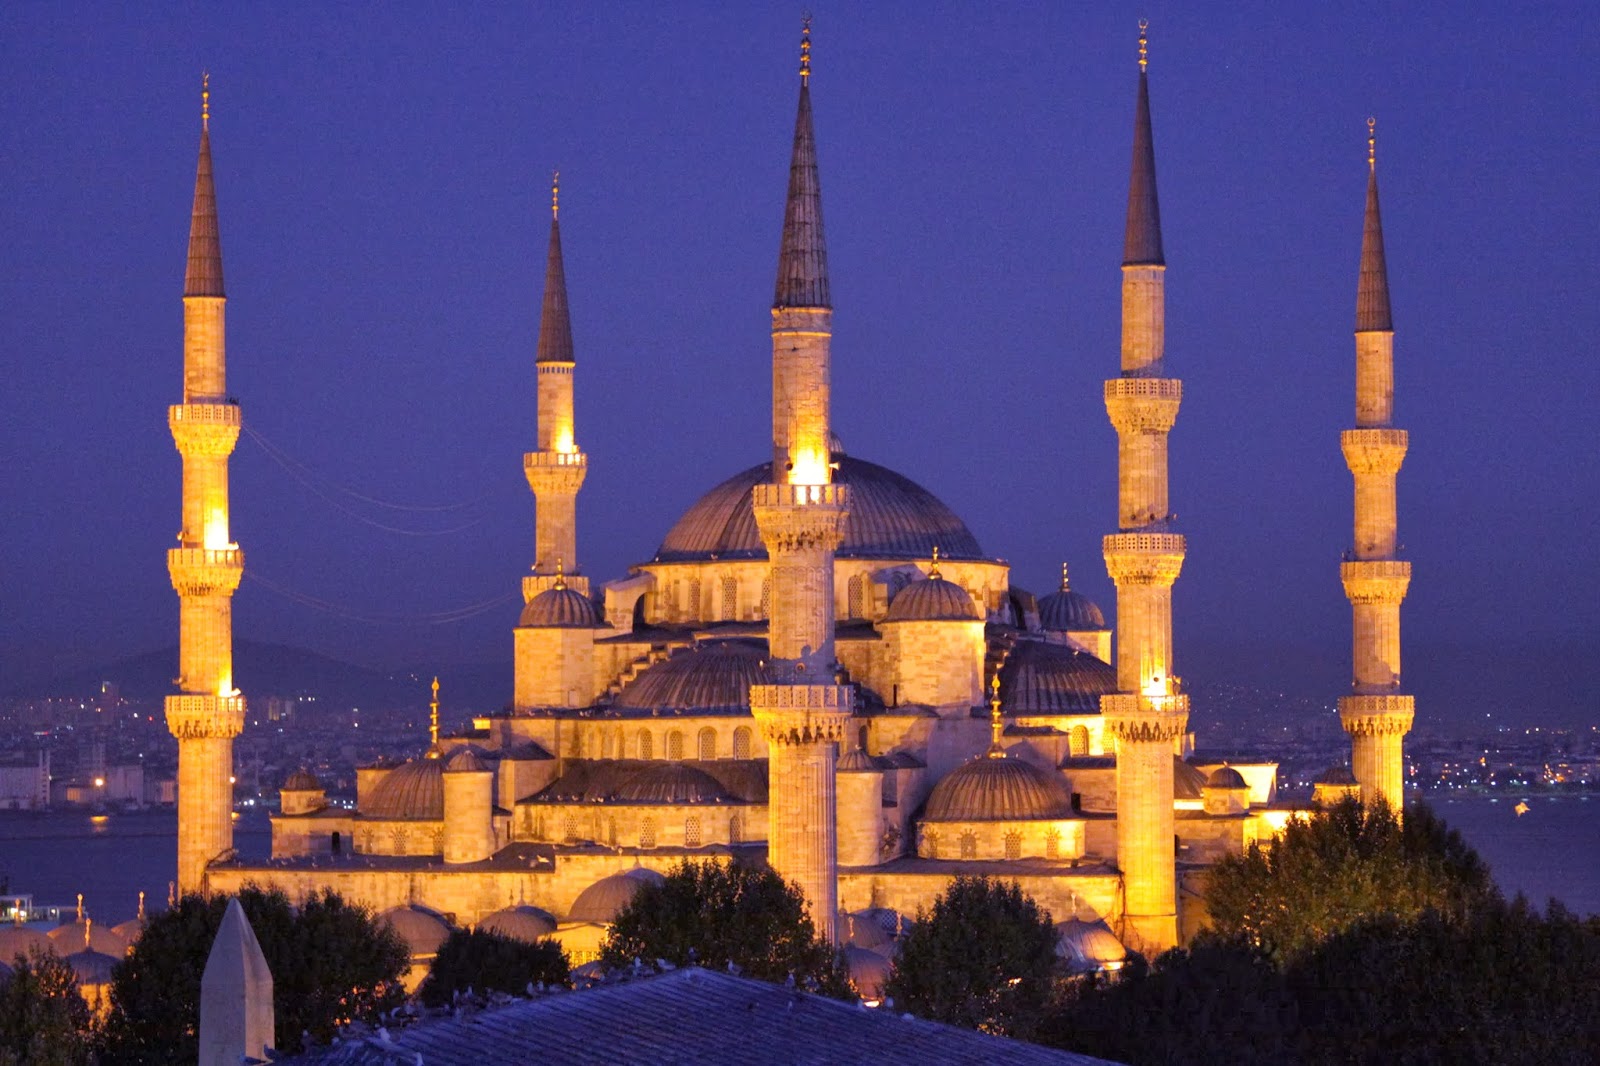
984 958
1345 864
1219 1000
489 962
44 1020
330 961
714 914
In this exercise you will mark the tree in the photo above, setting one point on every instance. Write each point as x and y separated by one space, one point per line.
330 961
984 957
490 962
715 914
44 1020
1345 864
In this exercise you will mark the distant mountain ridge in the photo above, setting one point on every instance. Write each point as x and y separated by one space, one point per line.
262 670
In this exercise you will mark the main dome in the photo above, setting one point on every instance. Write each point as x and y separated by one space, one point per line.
891 517
998 790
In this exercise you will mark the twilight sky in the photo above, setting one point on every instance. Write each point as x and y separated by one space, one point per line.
382 176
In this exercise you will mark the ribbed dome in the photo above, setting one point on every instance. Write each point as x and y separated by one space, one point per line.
868 970
92 967
856 761
102 938
1039 677
466 761
864 930
1089 946
422 930
559 608
1226 777
1188 783
1336 775
129 931
672 782
527 924
704 677
302 781
602 901
998 790
933 600
412 792
20 940
891 517
1065 610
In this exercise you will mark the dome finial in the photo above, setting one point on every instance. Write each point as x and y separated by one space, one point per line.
205 100
1144 45
805 49
1372 142
555 193
933 568
1066 585
996 726
433 714
561 576
141 905
88 927
80 906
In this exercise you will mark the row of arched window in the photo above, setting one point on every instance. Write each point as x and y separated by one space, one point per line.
641 744
572 830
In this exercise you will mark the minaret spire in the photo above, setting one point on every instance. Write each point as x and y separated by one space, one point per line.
803 256
204 276
1142 240
1372 292
555 321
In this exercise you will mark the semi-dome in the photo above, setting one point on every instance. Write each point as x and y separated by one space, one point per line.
560 607
1041 677
1188 783
466 761
891 517
998 790
302 781
527 924
1226 777
672 783
1065 610
602 901
933 600
422 930
413 791
714 676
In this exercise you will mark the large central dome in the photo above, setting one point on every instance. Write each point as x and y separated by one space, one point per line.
891 517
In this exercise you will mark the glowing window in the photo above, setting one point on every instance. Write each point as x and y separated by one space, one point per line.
707 746
741 742
691 832
674 745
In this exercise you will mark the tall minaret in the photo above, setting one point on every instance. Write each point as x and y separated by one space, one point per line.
1147 714
801 516
555 472
207 712
1375 715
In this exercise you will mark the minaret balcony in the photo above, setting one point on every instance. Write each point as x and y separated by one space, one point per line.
193 716
1139 716
208 429
1382 581
802 712
1144 558
1374 451
1377 715
205 571
1143 405
798 518
555 472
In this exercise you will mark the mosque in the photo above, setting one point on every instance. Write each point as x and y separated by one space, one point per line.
819 666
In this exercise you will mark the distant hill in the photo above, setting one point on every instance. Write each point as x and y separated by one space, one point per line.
262 670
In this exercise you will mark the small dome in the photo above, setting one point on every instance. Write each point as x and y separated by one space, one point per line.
102 938
856 761
21 940
1226 777
933 600
673 783
1188 783
868 971
602 901
714 676
466 761
302 781
410 792
559 608
1065 610
864 930
1089 946
527 924
92 967
1339 776
421 929
998 790
1039 677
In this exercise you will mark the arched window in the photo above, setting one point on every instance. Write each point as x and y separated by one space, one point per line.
707 746
858 596
735 830
969 845
647 833
1013 845
569 828
1078 740
930 844
645 747
766 597
741 742
730 598
605 744
1052 843
691 832
674 745
693 605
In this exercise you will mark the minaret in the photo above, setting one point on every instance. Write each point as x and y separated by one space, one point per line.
1147 714
1375 579
207 712
801 516
556 471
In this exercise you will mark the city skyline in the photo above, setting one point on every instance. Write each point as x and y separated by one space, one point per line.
383 193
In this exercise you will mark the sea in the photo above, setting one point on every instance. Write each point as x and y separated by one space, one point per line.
1552 851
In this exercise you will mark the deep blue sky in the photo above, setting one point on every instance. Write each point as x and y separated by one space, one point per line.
382 174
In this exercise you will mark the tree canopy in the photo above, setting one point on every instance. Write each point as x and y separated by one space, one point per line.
1345 864
330 961
715 914
44 1020
489 962
984 957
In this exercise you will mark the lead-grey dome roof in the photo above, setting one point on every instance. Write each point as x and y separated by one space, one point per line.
1065 610
672 783
990 789
1042 677
933 600
559 608
412 792
715 676
891 517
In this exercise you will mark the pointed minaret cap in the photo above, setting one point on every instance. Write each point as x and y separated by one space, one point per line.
1142 241
204 274
1372 291
555 323
803 257
236 1017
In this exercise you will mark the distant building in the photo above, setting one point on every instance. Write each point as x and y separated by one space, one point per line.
26 787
